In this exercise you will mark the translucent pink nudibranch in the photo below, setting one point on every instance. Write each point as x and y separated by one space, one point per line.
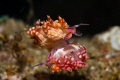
67 58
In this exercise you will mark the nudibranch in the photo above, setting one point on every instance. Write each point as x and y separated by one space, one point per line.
67 58
45 33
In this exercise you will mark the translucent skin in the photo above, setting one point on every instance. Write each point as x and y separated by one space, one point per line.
67 58
50 32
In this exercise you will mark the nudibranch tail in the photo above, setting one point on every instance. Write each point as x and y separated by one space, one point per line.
41 63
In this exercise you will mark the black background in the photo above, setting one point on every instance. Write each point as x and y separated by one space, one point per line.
100 14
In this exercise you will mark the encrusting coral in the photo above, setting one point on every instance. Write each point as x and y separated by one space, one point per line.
53 36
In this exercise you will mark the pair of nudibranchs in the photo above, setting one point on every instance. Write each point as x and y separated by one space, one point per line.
53 35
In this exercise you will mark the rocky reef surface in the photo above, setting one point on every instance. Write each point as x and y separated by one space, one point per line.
18 55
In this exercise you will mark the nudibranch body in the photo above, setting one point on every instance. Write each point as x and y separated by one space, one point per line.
67 58
50 32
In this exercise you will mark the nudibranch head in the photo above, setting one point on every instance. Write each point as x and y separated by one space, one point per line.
67 58
46 33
